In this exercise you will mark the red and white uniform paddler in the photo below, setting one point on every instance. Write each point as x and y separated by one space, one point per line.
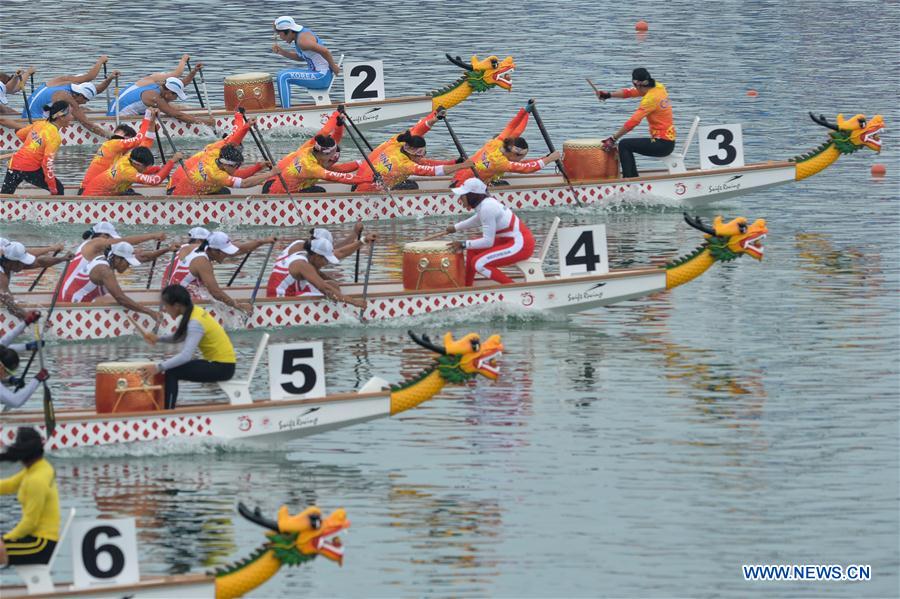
103 230
505 239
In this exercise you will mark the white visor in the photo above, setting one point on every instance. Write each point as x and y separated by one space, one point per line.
175 85
125 250
220 241
471 185
85 89
324 248
16 251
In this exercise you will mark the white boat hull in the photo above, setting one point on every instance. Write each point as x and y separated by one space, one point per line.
189 586
693 189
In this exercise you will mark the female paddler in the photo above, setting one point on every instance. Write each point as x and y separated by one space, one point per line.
197 329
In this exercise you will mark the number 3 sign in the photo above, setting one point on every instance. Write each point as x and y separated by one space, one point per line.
721 146
363 81
582 251
104 552
296 370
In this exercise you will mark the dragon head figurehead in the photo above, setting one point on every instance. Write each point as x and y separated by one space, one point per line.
723 242
845 137
292 540
480 75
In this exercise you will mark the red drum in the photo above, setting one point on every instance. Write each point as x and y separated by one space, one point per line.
250 90
585 160
431 265
121 387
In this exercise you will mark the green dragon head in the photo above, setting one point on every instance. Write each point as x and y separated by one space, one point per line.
727 241
854 133
465 358
300 538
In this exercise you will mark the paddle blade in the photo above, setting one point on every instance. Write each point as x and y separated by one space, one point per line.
49 412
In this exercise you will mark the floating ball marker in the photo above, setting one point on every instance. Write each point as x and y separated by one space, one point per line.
879 170
641 26
752 93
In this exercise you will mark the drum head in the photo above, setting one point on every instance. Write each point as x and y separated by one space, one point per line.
248 78
587 142
426 246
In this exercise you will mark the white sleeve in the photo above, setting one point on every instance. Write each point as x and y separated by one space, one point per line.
17 398
490 212
470 223
238 182
10 336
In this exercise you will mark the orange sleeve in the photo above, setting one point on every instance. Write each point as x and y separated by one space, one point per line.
525 166
338 177
636 118
23 132
630 92
430 162
152 170
345 167
424 170
516 126
141 139
237 136
155 179
422 127
248 171
53 142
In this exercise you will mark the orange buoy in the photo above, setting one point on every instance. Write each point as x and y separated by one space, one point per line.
641 26
879 170
752 93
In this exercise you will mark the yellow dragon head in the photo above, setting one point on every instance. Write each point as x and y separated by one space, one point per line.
299 538
849 135
465 358
727 241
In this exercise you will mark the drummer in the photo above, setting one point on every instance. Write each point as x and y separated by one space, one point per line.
320 69
15 258
403 156
124 138
192 266
93 280
656 108
159 90
315 160
197 329
298 269
504 154
505 239
33 161
74 90
132 168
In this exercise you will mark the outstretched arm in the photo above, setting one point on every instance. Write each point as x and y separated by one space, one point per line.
171 110
204 272
81 116
108 280
105 83
83 78
516 126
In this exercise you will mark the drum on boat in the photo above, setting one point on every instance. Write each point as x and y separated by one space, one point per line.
429 265
122 387
249 90
585 160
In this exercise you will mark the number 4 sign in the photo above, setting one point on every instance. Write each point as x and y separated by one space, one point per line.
104 552
721 146
582 251
296 370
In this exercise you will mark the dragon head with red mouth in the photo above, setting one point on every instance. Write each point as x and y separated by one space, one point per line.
465 358
727 241
849 135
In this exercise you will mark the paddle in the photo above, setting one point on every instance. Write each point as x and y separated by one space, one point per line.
456 142
259 279
117 100
105 75
162 154
49 412
595 88
376 174
356 267
37 279
353 126
165 130
163 286
153 265
240 266
25 99
205 95
263 148
362 311
196 89
32 83
537 119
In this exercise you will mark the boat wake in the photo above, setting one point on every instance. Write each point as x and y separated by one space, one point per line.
162 447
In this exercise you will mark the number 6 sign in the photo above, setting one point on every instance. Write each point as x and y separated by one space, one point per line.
104 552
296 370
582 251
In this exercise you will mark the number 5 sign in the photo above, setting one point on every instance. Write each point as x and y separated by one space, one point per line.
582 251
296 370
104 552
721 146
363 81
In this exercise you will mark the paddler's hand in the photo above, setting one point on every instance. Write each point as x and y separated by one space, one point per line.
552 157
185 57
451 229
56 247
113 74
440 113
156 316
358 229
457 246
177 156
244 307
161 236
609 144
197 67
33 345
42 375
209 122
32 317
103 59
369 238
336 69
603 95
358 302
276 49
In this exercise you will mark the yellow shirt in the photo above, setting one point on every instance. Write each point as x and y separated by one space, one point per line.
37 493
215 345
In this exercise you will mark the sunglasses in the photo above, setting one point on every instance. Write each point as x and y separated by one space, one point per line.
414 151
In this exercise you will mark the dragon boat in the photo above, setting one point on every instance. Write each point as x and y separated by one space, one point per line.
264 422
480 75
692 188
291 540
532 291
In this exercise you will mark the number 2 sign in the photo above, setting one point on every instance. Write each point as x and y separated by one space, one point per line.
721 146
582 251
363 81
104 552
296 370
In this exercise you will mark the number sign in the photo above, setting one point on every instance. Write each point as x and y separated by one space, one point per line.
104 552
721 146
582 251
296 370
363 81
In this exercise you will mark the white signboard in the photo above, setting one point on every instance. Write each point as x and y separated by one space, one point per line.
721 146
582 251
104 552
296 370
363 81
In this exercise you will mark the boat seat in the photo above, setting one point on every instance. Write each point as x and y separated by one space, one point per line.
675 161
238 390
37 577
533 268
373 385
321 96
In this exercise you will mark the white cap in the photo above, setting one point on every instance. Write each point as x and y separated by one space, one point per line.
319 233
471 185
16 251
106 228
323 247
199 233
85 89
287 24
125 250
4 242
176 86
220 241
3 99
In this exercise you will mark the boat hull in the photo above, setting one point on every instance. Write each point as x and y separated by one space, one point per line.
693 189
188 586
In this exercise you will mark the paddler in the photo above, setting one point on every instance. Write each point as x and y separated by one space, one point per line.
313 161
34 538
129 169
403 156
74 90
192 266
9 362
505 154
124 138
10 86
159 90
14 257
656 108
505 239
33 161
197 330
320 69
93 280
298 269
